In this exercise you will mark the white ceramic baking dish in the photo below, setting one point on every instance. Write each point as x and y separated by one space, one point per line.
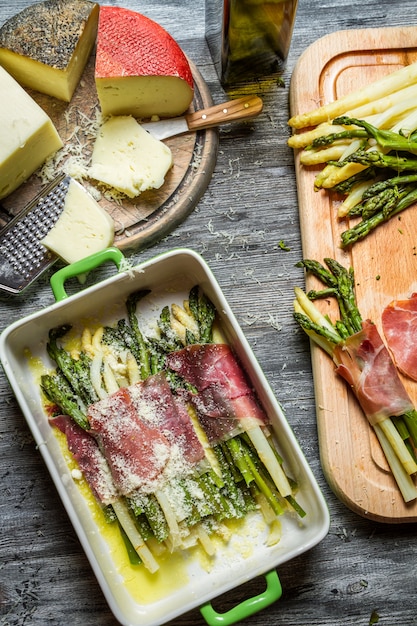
187 583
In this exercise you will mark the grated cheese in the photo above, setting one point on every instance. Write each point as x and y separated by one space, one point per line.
73 159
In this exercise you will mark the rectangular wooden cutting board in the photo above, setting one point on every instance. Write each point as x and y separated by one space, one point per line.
385 265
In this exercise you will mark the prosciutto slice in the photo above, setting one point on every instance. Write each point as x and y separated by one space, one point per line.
365 363
136 451
399 323
223 397
135 434
91 461
155 402
145 433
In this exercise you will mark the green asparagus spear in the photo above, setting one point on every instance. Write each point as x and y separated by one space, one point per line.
203 312
244 460
57 389
395 181
168 341
131 304
364 227
134 557
345 186
113 336
129 338
232 489
326 140
379 160
350 314
386 139
385 201
342 285
76 372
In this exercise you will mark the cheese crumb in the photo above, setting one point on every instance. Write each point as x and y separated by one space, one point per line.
76 474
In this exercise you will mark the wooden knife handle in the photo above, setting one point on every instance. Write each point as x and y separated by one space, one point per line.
238 109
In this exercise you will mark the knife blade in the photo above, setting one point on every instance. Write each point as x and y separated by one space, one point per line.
237 109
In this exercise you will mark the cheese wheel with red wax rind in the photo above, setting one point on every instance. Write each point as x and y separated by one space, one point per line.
140 69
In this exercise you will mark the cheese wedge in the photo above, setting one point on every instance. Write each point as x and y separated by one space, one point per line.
140 69
83 227
47 45
128 158
27 135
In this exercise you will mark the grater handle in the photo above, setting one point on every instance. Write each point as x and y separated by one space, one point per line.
248 607
83 267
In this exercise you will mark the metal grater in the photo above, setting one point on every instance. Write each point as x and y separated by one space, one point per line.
22 257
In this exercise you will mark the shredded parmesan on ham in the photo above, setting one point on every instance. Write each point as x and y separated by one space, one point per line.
146 436
136 453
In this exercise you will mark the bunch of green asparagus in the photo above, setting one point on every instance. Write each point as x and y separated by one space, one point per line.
367 142
397 434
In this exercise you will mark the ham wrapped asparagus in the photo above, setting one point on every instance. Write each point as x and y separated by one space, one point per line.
362 359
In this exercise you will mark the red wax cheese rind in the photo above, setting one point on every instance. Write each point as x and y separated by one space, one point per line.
140 69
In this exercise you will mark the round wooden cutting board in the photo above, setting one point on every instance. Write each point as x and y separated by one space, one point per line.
140 222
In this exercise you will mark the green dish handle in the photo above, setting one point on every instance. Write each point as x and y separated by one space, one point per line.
81 267
248 607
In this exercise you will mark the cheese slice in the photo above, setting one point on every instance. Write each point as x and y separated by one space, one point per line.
140 69
47 45
128 158
27 135
83 227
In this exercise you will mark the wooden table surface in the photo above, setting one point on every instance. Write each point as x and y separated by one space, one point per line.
250 206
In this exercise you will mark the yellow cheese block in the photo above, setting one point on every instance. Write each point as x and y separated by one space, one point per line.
47 45
140 69
27 135
83 227
128 158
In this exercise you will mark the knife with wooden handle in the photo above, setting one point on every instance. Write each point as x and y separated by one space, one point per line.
232 111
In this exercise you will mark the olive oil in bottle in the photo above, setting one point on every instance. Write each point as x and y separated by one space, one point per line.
249 38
